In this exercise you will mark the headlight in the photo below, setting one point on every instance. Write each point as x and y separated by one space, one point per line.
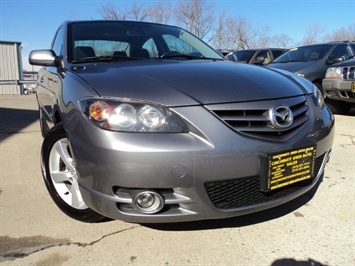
131 116
333 72
318 96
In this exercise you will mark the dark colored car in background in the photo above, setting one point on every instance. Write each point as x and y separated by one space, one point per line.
146 123
312 61
339 86
255 56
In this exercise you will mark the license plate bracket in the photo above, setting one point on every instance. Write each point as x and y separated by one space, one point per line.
285 168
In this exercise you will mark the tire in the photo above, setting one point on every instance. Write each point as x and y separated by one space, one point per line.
339 107
60 176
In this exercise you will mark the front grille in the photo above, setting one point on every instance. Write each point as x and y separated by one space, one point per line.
253 118
242 192
348 73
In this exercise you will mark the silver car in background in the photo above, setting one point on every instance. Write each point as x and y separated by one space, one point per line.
339 86
145 123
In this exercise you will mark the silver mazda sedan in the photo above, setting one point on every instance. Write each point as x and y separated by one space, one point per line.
146 123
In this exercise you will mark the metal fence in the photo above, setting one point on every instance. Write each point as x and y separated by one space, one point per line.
15 86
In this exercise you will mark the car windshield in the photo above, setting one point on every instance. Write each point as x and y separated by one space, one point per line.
124 40
241 56
304 54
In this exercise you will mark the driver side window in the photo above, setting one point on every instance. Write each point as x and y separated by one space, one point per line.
341 51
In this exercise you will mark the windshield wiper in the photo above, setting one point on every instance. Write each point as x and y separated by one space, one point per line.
287 61
173 54
104 59
186 56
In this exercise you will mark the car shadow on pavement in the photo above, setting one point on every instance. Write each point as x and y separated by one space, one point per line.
240 221
293 262
14 121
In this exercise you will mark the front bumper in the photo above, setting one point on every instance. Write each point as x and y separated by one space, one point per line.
338 89
194 173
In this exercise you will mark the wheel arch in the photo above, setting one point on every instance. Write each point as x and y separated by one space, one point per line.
66 185
57 118
318 83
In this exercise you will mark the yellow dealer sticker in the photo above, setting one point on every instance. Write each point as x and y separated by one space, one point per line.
286 168
353 87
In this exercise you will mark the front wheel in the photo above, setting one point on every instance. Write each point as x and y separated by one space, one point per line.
61 177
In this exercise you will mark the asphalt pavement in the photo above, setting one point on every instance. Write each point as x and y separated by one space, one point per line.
315 229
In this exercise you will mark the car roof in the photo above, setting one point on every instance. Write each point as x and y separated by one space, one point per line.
326 44
115 21
261 49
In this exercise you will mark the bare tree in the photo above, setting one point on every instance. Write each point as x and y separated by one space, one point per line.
135 11
259 37
197 16
281 41
238 33
239 30
109 11
313 34
139 11
342 34
160 12
219 38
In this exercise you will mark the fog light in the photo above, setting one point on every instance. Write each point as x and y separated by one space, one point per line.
145 200
148 202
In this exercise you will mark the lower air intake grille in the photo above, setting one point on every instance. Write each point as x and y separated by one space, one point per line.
242 192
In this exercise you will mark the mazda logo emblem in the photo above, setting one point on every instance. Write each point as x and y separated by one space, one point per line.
281 117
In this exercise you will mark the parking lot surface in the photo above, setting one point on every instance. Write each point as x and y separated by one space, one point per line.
315 229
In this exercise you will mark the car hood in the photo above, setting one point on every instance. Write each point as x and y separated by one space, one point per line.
350 62
178 83
292 66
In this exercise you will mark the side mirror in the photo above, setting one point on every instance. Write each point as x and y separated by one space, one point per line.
42 58
335 60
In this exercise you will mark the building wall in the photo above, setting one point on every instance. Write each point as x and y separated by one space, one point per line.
10 68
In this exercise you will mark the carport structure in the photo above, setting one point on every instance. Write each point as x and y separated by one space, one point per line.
11 73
